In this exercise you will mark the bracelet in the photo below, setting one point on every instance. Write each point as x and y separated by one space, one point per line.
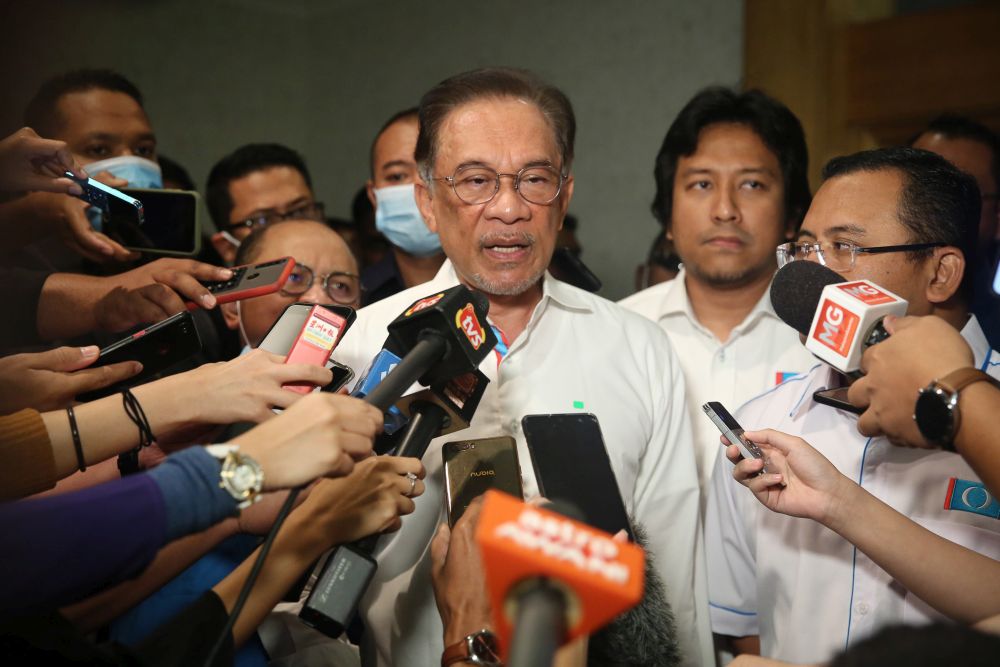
77 445
128 462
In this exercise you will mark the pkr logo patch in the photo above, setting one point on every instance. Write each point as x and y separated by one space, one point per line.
967 496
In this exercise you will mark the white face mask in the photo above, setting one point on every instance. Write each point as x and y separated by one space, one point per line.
138 171
232 239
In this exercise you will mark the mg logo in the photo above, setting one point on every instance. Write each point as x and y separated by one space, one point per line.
865 292
836 327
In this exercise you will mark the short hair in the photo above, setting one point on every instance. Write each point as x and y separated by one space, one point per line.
953 126
174 171
249 250
938 203
496 83
922 646
768 118
246 160
41 114
405 114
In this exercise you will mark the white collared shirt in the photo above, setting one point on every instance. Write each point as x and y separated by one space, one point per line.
804 589
761 352
579 353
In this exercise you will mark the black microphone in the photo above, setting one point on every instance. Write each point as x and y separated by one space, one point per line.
444 341
796 291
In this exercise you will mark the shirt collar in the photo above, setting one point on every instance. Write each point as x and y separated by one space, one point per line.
676 302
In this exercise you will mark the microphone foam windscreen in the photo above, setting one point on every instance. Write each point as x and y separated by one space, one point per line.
796 291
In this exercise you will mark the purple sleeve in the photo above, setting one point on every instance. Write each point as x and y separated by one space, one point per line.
63 548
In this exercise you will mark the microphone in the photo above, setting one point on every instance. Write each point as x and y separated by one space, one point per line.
440 340
551 578
839 318
377 370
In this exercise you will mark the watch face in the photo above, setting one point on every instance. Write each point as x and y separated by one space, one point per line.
484 647
244 477
935 417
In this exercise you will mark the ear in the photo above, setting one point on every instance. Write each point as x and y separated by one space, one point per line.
226 250
565 196
946 269
229 314
425 202
370 191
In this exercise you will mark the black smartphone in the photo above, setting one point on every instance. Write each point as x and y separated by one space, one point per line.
341 376
158 348
836 398
731 428
113 203
473 467
250 280
171 223
571 463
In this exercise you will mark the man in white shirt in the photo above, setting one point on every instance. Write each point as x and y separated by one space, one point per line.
731 184
495 151
905 220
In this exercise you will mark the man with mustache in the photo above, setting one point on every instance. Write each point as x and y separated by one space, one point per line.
731 185
495 152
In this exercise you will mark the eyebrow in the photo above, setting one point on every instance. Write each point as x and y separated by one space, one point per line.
690 171
533 163
295 203
846 229
396 163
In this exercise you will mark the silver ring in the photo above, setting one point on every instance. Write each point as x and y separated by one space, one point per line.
413 483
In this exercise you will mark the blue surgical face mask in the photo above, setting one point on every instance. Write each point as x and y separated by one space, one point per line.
398 218
138 171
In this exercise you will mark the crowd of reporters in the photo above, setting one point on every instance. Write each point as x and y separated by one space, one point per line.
123 547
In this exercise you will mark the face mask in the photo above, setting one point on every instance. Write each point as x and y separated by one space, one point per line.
138 171
397 217
232 239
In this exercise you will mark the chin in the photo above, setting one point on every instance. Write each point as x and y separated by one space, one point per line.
504 286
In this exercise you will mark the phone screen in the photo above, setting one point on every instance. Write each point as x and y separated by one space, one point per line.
473 467
572 464
996 279
170 222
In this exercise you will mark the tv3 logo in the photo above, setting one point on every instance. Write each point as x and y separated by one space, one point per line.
866 293
467 321
836 327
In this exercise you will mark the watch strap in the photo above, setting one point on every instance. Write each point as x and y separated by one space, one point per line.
457 652
958 380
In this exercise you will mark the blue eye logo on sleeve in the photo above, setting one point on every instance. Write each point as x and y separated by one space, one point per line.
966 496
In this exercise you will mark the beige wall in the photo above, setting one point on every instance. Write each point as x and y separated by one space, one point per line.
321 76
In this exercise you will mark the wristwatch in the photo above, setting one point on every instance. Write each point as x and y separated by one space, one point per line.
479 648
936 411
241 476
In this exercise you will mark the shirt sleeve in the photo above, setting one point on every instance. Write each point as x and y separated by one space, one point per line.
732 571
667 501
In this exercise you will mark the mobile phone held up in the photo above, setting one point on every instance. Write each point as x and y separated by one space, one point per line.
158 348
250 280
113 203
472 467
731 428
171 225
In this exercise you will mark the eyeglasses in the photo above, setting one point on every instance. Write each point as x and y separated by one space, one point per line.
538 184
340 286
309 211
840 255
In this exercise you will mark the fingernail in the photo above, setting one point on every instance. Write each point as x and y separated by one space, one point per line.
208 300
89 351
136 367
75 189
226 273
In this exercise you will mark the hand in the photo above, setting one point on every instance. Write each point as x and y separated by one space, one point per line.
457 577
155 291
50 380
243 389
919 350
372 499
259 517
802 483
28 162
320 435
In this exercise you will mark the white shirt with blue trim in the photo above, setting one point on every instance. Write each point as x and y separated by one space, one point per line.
806 591
579 353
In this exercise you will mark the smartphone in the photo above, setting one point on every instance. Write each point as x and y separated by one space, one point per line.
341 376
472 467
315 343
158 348
996 279
285 330
730 428
171 224
571 463
114 203
250 280
836 398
